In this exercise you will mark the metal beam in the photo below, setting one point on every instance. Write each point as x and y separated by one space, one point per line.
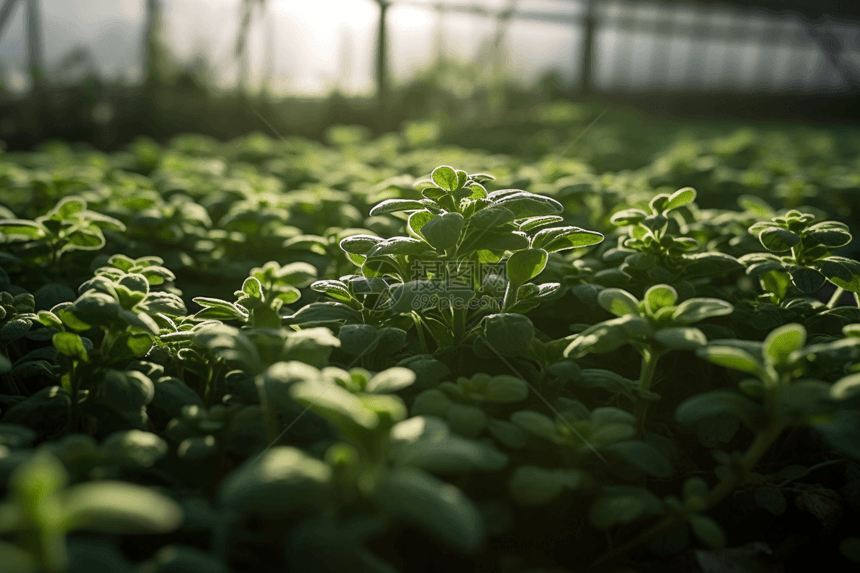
34 44
5 14
659 25
382 54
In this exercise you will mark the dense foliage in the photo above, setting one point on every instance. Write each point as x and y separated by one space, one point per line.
270 355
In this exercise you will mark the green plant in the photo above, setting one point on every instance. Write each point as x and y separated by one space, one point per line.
654 326
808 262
43 508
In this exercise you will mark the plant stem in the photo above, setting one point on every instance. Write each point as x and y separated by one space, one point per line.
419 329
646 375
510 297
835 298
269 414
758 448
459 324
73 410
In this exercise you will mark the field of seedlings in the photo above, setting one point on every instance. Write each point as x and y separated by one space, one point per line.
515 352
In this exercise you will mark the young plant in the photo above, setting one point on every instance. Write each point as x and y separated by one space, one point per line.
774 399
799 254
118 305
654 326
438 274
42 509
656 251
263 295
382 462
69 226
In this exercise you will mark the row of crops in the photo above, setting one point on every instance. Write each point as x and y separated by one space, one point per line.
400 354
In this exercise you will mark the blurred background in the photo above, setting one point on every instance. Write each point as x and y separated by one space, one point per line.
107 71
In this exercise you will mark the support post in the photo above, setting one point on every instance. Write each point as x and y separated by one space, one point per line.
589 25
34 45
151 43
5 13
382 55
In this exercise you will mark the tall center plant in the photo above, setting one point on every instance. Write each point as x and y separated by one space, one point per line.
469 253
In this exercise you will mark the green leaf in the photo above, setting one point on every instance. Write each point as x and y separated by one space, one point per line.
162 303
843 272
506 389
841 433
478 191
335 404
446 178
525 204
507 433
533 486
276 482
492 216
214 308
535 423
628 217
805 401
847 388
714 404
608 335
681 338
806 279
127 391
36 480
660 296
18 560
679 198
428 443
468 421
535 222
831 234
398 246
197 448
22 228
335 289
89 239
730 357
623 504
781 342
323 312
495 241
850 548
181 559
431 402
440 508
15 329
641 456
396 205
618 302
562 238
778 240
695 309
359 244
134 448
67 208
358 339
391 380
709 264
416 222
509 334
443 231
252 288
708 531
70 344
525 265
